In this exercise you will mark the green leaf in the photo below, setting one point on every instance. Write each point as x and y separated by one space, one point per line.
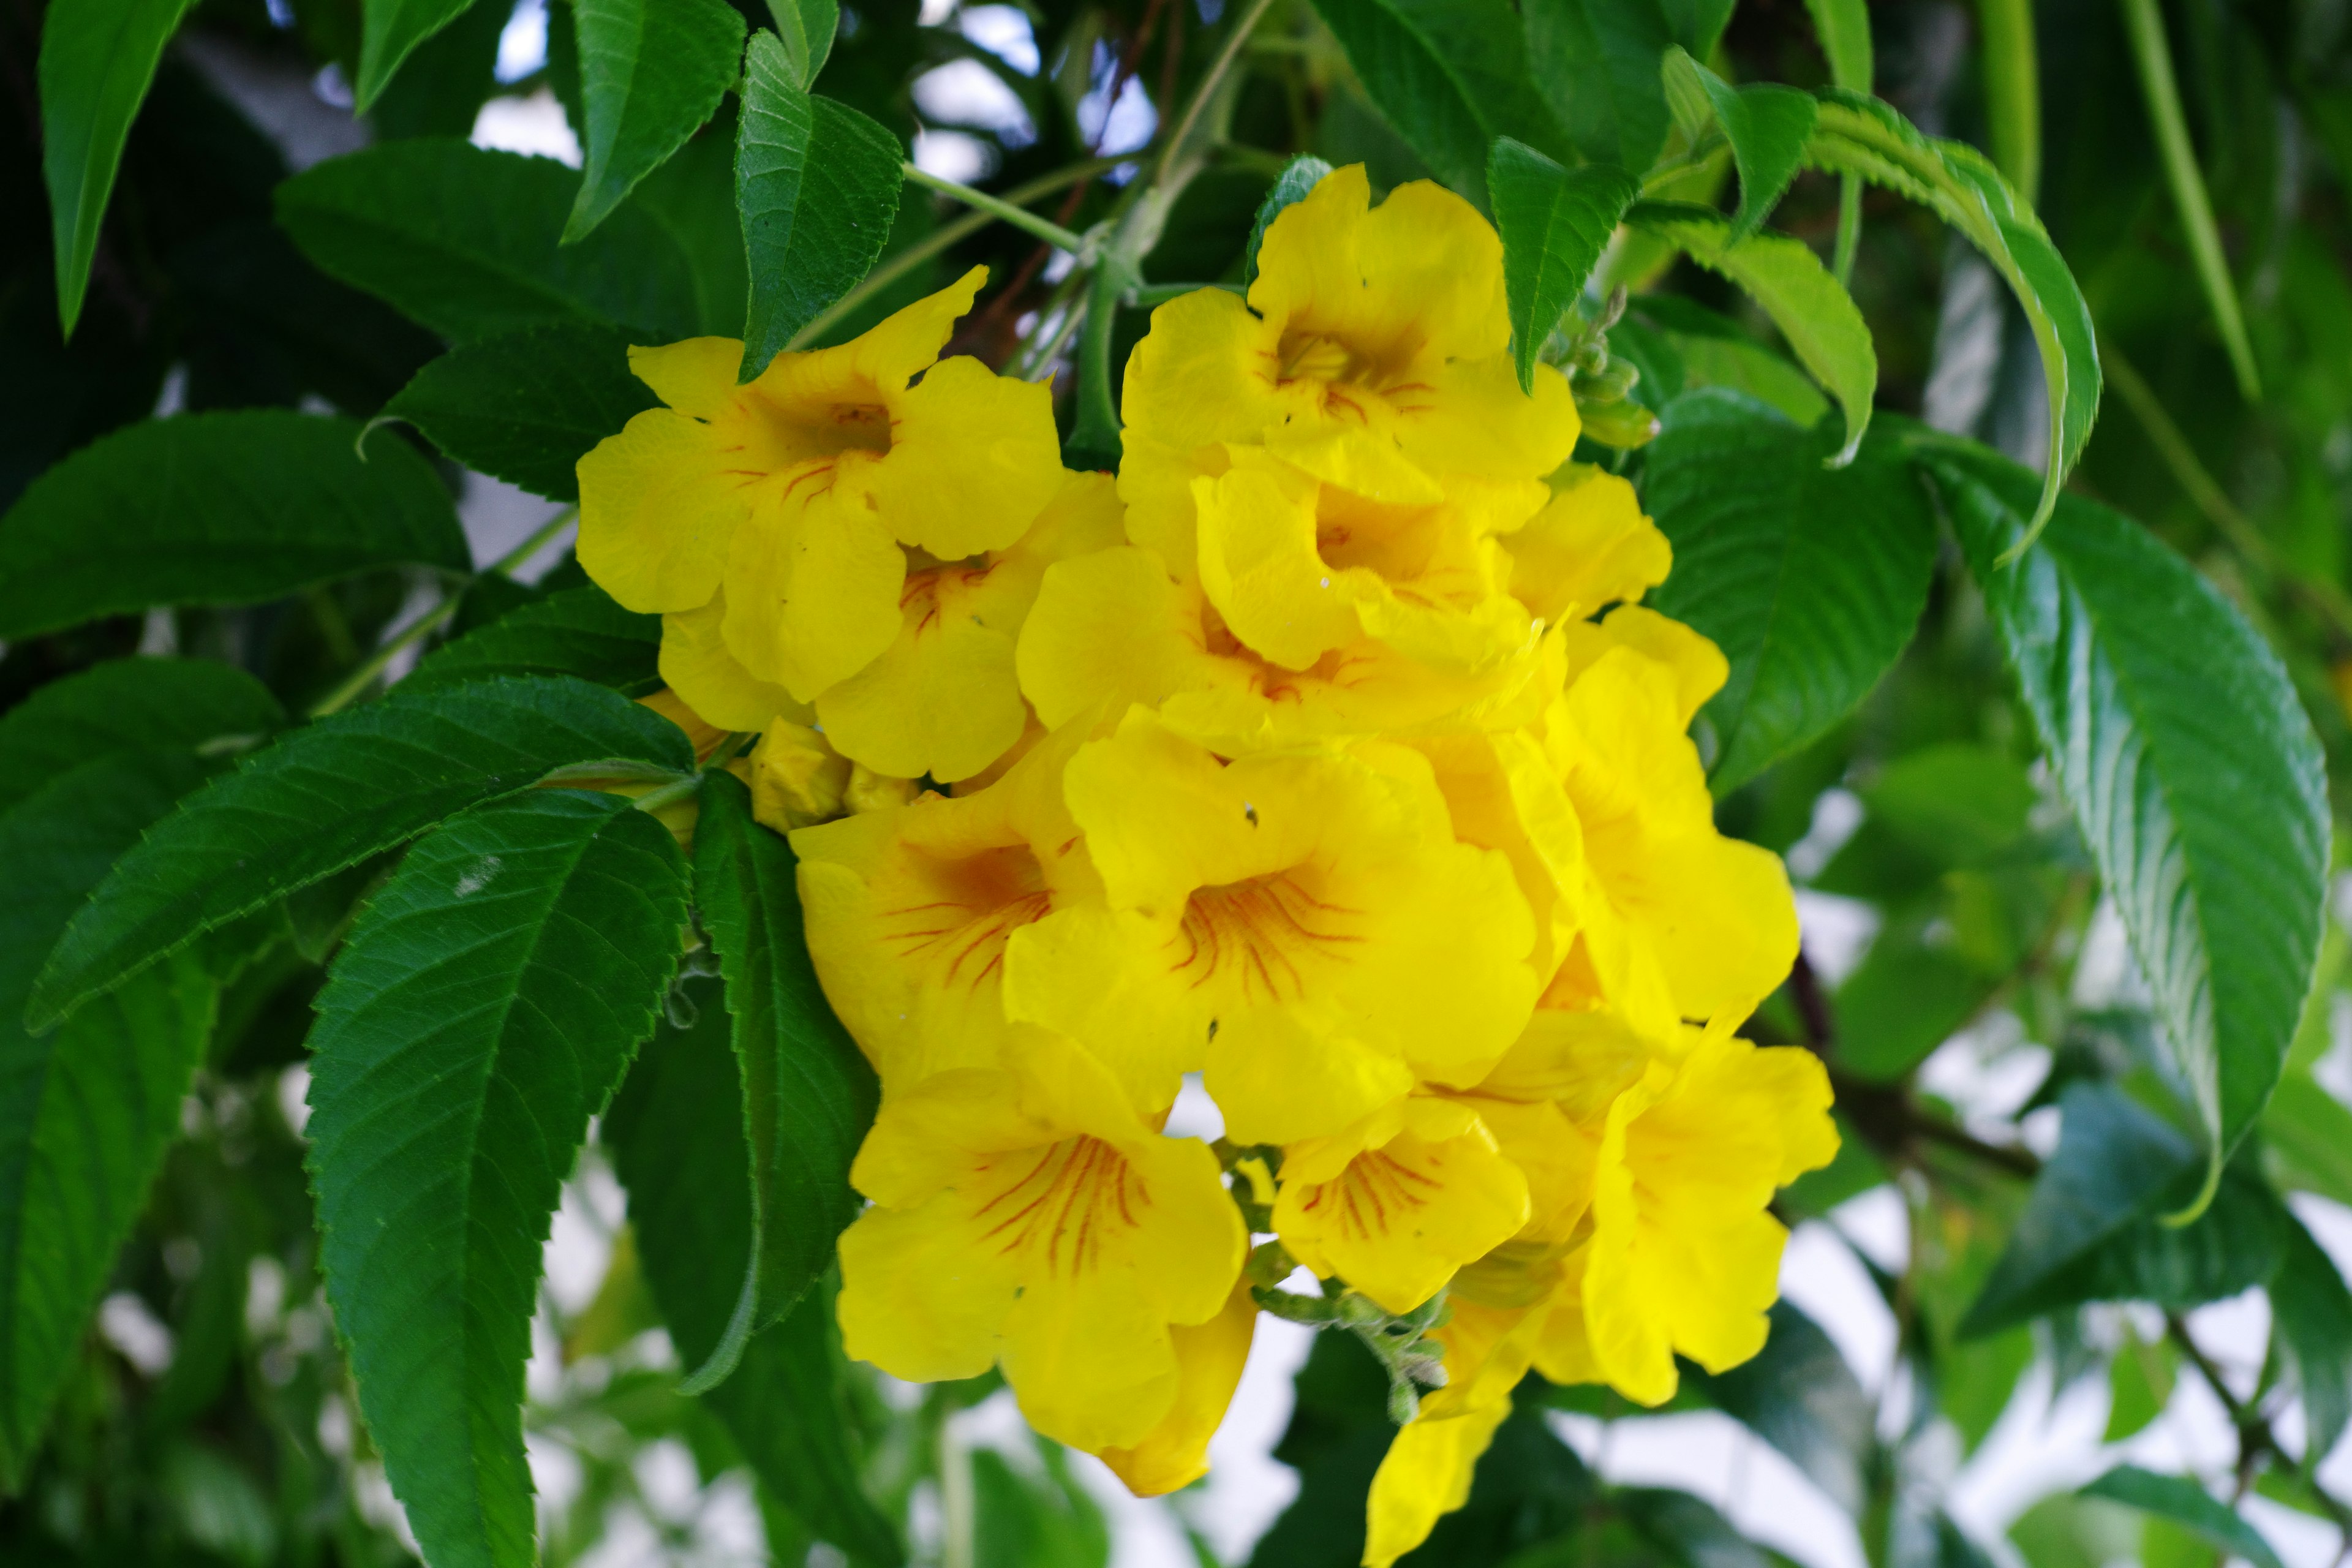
2185 1502
86 1110
1843 28
808 1094
1555 223
486 1006
579 632
2311 1327
1767 126
466 241
1687 1529
817 185
1785 279
1958 803
806 28
97 58
331 795
1298 176
1810 579
1857 134
1450 74
390 31
690 1208
2236 1244
2192 771
526 407
2308 1132
216 509
2139 1385
693 197
646 87
1798 1395
128 706
1597 64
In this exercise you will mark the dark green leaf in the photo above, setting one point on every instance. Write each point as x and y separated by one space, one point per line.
693 195
2185 1502
690 1208
440 89
125 706
465 241
86 1110
649 74
97 58
1767 126
2192 769
526 407
390 31
2310 1324
817 185
806 28
1450 74
579 632
331 795
1298 176
1905 998
216 509
1597 64
1810 579
1554 222
1956 802
808 1094
1798 1395
485 1006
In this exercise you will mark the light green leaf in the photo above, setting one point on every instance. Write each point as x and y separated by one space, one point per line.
1785 279
2185 1502
1449 75
808 1094
466 241
97 58
86 1110
578 632
216 509
1843 28
690 1208
1810 579
2308 1133
1596 63
2192 769
390 31
650 72
806 28
1855 134
817 186
130 706
526 407
1298 176
484 1006
331 795
1767 126
1554 223
2311 1328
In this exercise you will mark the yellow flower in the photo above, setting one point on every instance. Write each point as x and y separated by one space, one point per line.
1027 1216
801 494
797 779
1372 355
1304 925
1589 548
696 664
1208 1361
1396 1204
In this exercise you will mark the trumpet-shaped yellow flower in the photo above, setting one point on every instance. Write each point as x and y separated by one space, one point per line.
1397 1203
1589 548
1208 1361
699 667
1025 1216
1372 355
1306 925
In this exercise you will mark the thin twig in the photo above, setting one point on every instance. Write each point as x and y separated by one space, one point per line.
1019 217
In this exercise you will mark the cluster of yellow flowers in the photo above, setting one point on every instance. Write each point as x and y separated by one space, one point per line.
1327 753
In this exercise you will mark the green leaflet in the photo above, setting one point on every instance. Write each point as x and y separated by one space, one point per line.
86 1110
650 72
691 1210
526 407
1450 74
390 31
329 796
1298 176
2178 742
484 1006
128 706
578 632
1784 277
2311 1332
1810 579
1554 223
216 509
465 242
1597 64
1765 124
2309 1133
97 58
2185 1502
808 1094
817 185
806 28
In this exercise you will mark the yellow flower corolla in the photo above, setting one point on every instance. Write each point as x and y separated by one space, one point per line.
1428 1469
1208 1361
1304 925
1026 1216
1397 1203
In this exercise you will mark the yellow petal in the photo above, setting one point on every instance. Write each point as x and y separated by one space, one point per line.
1589 547
942 699
922 1300
892 352
1469 416
659 507
1260 566
696 664
696 377
797 779
1425 1476
1208 1361
973 458
812 583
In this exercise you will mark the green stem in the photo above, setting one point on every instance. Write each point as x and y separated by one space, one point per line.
2013 91
1849 229
1052 233
1243 26
899 263
2154 58
669 793
530 547
1096 439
